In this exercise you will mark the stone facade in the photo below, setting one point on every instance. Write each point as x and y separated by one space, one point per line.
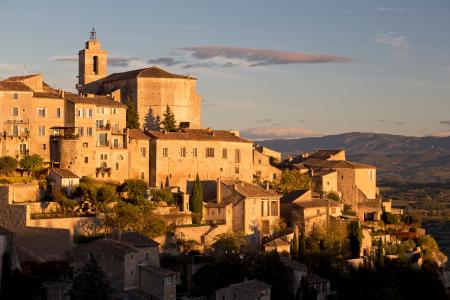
263 170
248 290
182 155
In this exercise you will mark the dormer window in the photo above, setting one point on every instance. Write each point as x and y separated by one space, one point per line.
95 65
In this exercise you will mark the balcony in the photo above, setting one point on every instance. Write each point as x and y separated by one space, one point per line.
103 127
57 137
102 171
10 133
103 144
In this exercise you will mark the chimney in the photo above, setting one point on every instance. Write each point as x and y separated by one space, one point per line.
218 191
267 185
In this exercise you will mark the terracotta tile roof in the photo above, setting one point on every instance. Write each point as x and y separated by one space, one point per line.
324 173
292 196
325 154
198 135
159 270
64 173
96 100
47 95
20 78
278 242
249 189
316 203
107 245
331 164
293 264
15 86
136 240
252 287
152 72
136 134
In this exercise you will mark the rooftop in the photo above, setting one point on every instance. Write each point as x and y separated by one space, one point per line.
96 100
325 154
137 134
64 173
249 189
198 135
282 241
316 203
152 72
14 86
292 196
108 245
251 287
158 270
136 240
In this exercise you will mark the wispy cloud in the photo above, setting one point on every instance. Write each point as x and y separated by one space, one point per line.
211 64
445 122
397 42
164 61
444 133
259 133
260 57
398 123
403 10
114 61
268 120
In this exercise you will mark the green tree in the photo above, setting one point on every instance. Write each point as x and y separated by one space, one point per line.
333 196
389 218
380 253
428 245
302 246
66 205
230 242
292 180
162 195
169 123
32 163
132 116
135 189
294 246
355 237
8 165
196 201
91 283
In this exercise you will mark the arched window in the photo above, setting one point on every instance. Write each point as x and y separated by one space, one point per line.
95 64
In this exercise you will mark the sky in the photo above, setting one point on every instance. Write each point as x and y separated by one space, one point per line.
272 69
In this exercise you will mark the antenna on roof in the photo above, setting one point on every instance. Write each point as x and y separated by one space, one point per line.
25 71
93 34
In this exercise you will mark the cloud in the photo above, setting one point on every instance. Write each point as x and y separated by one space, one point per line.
445 122
12 68
264 121
260 57
398 123
260 133
380 120
404 10
444 133
209 65
396 40
301 121
114 61
164 61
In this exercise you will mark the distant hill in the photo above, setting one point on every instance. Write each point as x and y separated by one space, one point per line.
399 158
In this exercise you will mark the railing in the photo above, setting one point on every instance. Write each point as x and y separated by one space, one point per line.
103 127
9 133
106 144
55 137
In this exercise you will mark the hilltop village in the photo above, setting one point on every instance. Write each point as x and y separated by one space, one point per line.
119 192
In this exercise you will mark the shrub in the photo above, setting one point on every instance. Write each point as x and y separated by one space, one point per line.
8 165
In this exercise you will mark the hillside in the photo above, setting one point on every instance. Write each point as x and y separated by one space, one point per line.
399 158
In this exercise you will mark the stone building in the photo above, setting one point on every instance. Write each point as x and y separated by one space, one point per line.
131 264
248 290
151 90
62 178
242 206
263 170
181 155
354 182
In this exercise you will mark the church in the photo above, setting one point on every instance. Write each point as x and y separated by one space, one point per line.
150 90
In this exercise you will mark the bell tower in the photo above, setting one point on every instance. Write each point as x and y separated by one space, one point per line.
92 61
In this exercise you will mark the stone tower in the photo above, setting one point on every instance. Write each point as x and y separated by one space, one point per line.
92 61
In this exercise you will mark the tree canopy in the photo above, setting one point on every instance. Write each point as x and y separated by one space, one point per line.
169 123
8 165
91 283
32 163
355 236
292 180
132 116
135 189
196 202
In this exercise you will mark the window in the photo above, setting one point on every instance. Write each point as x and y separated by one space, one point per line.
318 211
333 210
103 156
131 256
15 130
100 110
79 113
168 280
183 152
116 143
41 112
99 123
15 96
41 130
131 273
95 64
43 146
117 166
274 208
165 152
264 208
209 152
194 152
89 131
58 112
103 139
143 151
114 111
81 131
23 149
90 114
142 175
236 170
15 111
237 156
147 256
224 153
86 159
85 145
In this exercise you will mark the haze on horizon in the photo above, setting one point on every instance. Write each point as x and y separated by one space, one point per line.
271 69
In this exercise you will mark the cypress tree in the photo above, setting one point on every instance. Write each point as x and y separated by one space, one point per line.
132 117
169 123
302 246
355 236
196 203
380 253
90 282
294 246
167 182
